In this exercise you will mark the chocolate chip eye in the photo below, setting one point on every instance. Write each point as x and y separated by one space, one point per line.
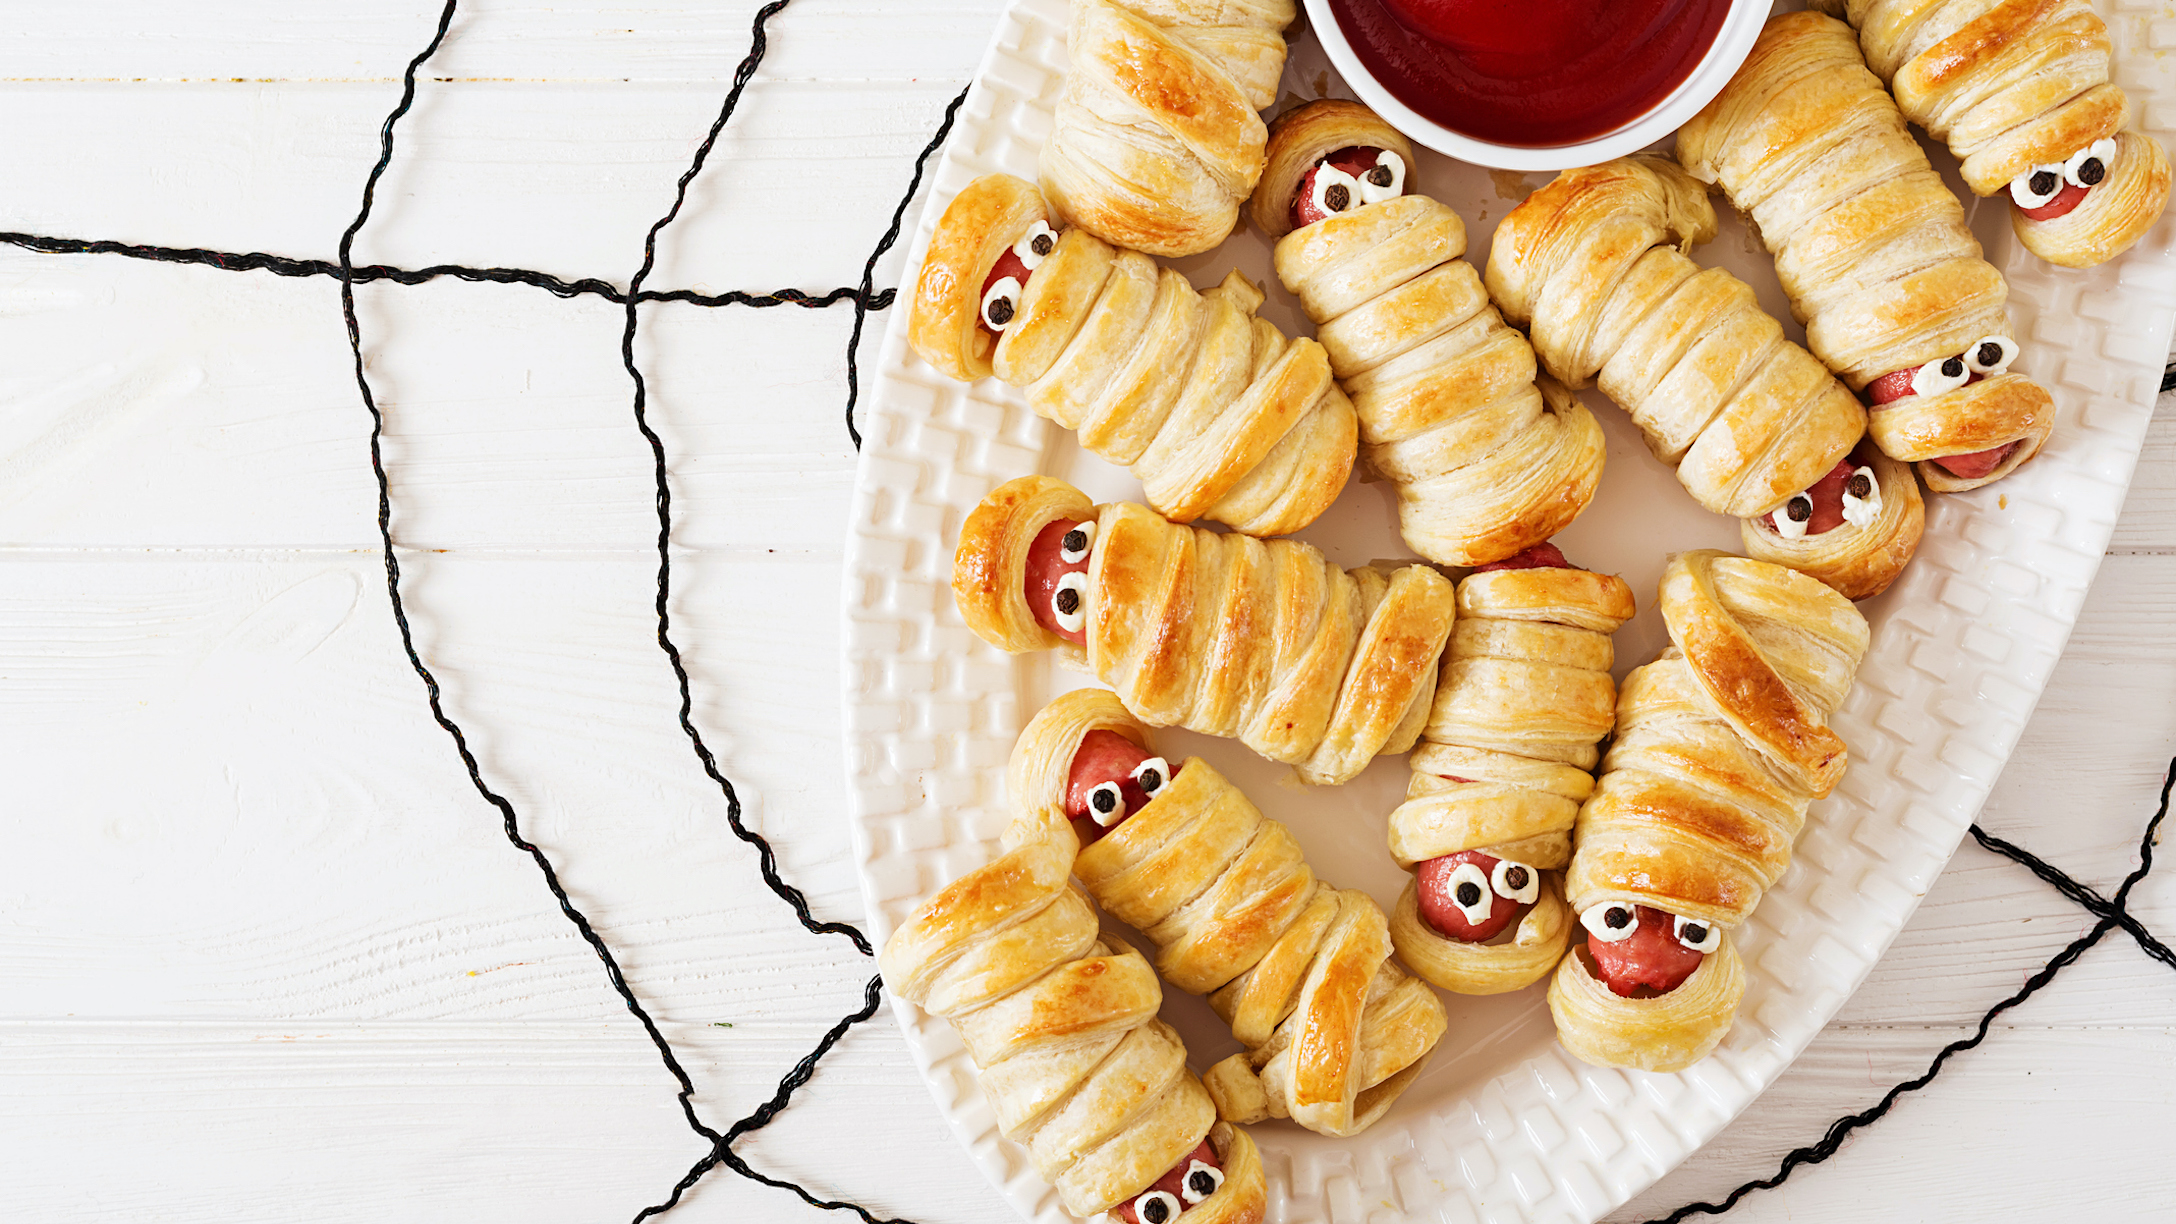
1337 197
1515 881
1151 775
1380 176
1073 549
1799 509
1069 603
1992 355
1041 244
1953 367
1385 180
1066 601
1861 485
1695 934
1936 377
1611 923
1157 1207
1470 892
999 303
1106 805
2037 186
1201 1181
1988 354
2089 165
2043 181
1039 241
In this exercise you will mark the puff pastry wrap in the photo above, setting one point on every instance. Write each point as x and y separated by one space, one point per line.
1156 139
2014 84
1591 264
1524 697
1266 642
1721 743
1217 413
1334 1028
1870 244
1484 462
1061 1021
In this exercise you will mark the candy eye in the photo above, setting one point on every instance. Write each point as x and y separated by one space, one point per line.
1157 1207
1151 775
999 303
1470 892
1200 1182
1862 497
2037 186
1695 934
2089 165
1611 923
1073 548
1991 356
1334 190
1106 805
1035 244
1385 180
1515 881
1070 601
1935 377
1790 522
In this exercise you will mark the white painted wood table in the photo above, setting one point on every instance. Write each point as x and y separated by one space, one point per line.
264 956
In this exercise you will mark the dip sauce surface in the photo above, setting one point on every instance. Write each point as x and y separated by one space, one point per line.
1531 72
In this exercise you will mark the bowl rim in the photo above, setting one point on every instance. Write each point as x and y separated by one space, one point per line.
1733 42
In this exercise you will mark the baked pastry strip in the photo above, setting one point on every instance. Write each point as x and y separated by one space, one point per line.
1524 697
1721 743
1263 641
1872 249
1593 265
1334 1028
1216 411
1485 463
1061 1022
2020 91
1157 138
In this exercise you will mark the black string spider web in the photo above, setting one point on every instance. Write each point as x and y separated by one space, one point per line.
2110 913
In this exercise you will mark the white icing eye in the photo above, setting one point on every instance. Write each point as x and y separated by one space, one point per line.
1470 892
1073 549
1035 244
1151 775
2037 186
1070 602
1611 923
1385 180
1106 805
2089 165
1695 934
1862 497
1515 881
1334 191
1200 1182
1935 377
1790 521
1157 1207
1991 356
1000 303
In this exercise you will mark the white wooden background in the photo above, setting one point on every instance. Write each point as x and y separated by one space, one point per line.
264 956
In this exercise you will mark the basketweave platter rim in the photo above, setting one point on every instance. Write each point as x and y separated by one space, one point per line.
1504 1125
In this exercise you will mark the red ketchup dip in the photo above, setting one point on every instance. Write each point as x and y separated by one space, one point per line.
1531 72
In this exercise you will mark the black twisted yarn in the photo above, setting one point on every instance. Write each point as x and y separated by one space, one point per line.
868 270
2112 914
281 265
2086 898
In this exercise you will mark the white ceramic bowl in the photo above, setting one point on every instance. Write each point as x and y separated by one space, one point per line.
1732 44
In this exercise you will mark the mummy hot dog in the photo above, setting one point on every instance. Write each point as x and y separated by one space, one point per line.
1265 642
1524 696
2020 91
1061 1023
1335 1030
1593 264
1721 744
1872 249
1217 413
1485 462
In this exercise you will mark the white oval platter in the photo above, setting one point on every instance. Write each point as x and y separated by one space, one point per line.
1504 1125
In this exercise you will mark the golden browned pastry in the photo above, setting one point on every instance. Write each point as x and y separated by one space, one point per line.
2020 92
1524 697
1217 413
1721 743
1157 139
1861 524
1872 249
1485 463
1061 1021
1266 642
1334 1028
